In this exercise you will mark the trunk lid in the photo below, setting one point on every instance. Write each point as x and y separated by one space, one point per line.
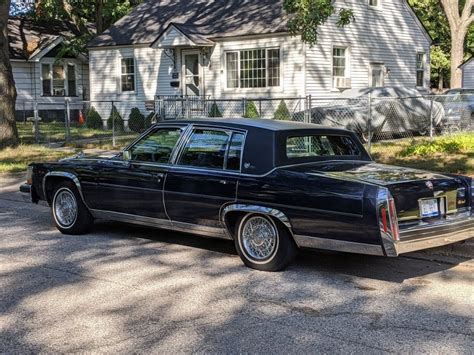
419 195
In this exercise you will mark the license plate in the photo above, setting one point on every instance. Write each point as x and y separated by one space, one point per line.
429 208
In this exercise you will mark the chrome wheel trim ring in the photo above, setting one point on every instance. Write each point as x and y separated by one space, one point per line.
258 238
65 209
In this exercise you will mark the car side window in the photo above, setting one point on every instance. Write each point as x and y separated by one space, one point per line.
206 148
234 155
157 146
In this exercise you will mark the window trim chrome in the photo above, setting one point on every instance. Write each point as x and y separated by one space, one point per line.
228 131
151 131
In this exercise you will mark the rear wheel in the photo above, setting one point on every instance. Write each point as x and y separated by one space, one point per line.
263 244
70 214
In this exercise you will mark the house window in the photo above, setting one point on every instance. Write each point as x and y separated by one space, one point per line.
420 69
128 74
374 3
71 80
255 68
54 78
340 67
58 81
46 79
232 59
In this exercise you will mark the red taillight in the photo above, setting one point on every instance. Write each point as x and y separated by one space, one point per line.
393 219
383 213
388 220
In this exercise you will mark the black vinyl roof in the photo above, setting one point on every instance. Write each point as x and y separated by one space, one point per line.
266 124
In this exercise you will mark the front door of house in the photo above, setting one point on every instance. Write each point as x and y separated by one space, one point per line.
191 70
376 75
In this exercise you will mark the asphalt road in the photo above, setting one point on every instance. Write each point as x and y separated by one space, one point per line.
129 289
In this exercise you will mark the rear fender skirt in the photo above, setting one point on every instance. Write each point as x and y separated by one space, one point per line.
268 211
67 175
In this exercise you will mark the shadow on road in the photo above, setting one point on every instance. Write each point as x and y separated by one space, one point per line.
366 266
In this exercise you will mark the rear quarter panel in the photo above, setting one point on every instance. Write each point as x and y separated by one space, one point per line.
317 206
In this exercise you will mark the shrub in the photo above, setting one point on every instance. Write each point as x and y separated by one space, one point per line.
251 110
214 111
448 144
115 120
148 119
93 119
282 113
136 120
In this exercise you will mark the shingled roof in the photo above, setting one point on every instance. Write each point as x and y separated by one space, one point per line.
27 36
218 18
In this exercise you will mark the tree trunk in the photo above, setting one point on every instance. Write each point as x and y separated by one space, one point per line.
459 22
8 130
457 57
99 16
441 80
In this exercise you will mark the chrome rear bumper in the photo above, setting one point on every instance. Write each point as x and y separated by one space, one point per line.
425 237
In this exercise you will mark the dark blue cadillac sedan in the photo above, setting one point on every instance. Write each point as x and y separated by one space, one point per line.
270 186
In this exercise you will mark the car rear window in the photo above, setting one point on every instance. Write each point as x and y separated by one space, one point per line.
308 146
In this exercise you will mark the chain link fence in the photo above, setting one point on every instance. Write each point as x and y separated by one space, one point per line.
373 118
82 122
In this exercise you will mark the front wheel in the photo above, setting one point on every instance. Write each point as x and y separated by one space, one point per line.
70 214
263 244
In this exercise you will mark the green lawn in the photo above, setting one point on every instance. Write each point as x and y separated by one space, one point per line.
17 159
448 154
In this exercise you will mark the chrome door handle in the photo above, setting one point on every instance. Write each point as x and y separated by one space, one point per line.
223 182
159 176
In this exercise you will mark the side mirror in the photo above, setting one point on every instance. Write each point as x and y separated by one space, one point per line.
126 155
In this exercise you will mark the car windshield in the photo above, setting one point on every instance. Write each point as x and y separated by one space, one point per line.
308 146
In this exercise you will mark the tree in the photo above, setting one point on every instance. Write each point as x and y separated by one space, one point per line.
460 19
8 130
307 15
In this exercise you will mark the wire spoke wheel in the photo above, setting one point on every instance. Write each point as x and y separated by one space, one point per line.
65 208
259 238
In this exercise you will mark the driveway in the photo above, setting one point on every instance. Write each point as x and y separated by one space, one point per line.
129 289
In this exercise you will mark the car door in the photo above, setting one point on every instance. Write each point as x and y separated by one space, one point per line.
135 186
204 177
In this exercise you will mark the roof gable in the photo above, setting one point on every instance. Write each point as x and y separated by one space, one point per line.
466 62
29 39
181 36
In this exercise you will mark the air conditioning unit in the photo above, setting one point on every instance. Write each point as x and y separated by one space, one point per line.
342 83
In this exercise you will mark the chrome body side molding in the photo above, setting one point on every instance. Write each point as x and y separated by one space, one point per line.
256 209
338 245
210 232
67 175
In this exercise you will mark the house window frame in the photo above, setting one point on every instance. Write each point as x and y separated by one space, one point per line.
383 71
347 67
267 78
65 66
120 74
377 6
421 69
66 77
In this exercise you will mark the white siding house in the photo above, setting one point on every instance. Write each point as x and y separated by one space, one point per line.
233 49
41 77
468 73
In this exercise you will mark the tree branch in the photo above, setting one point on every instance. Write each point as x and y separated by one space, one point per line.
451 8
467 14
